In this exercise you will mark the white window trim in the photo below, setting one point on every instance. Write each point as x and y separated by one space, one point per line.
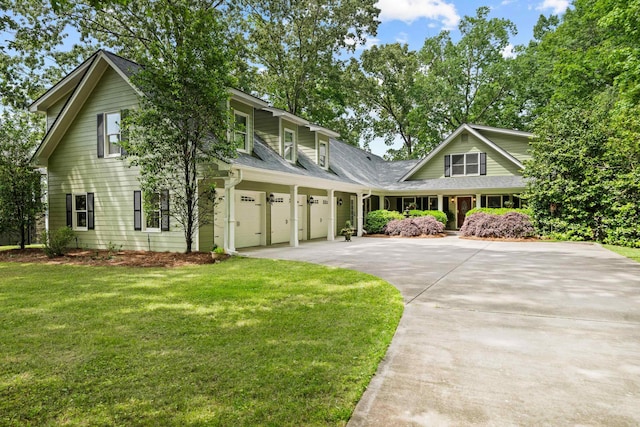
247 141
293 149
106 135
144 217
326 155
75 212
464 156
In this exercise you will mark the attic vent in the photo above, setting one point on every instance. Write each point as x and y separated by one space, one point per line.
464 137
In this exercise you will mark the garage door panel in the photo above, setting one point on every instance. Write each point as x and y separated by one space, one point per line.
319 218
249 213
280 211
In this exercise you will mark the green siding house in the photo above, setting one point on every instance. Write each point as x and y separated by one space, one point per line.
291 181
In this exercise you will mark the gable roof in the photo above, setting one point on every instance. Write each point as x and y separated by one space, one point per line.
85 78
473 130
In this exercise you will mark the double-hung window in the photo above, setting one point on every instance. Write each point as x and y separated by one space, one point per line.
80 211
289 145
153 214
240 131
112 134
468 164
322 154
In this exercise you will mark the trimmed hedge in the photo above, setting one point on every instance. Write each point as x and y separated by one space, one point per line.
498 211
414 227
439 215
511 225
376 220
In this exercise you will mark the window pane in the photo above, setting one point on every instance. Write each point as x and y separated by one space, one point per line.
457 159
494 201
288 136
81 219
113 123
288 151
81 202
433 203
322 157
472 169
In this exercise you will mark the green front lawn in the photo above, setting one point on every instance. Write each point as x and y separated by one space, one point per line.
245 342
633 253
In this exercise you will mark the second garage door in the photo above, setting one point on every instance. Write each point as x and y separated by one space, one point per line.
319 217
249 215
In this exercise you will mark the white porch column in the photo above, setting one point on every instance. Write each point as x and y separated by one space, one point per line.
293 216
331 227
359 214
440 202
230 222
478 200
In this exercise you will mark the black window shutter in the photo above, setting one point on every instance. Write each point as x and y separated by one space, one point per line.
100 135
90 212
447 165
124 133
483 201
69 210
483 163
164 210
137 210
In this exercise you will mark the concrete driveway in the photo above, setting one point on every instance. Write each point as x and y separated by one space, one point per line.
498 333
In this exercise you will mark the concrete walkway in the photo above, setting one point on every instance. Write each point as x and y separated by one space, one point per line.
498 333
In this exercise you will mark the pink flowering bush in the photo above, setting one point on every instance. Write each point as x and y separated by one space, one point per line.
414 227
512 225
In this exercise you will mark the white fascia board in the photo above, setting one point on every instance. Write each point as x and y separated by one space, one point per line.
60 89
283 178
246 98
323 130
276 112
495 147
502 130
434 152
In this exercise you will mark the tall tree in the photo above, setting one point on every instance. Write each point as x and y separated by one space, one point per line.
464 82
296 45
383 81
20 184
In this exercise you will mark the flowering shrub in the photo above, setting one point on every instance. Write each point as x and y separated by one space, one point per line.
414 227
376 220
512 225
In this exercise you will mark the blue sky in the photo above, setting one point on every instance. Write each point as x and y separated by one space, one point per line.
412 21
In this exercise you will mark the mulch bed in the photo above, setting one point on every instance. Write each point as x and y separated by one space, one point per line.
424 236
107 258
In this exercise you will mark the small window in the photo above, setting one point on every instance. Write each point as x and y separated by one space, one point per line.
494 201
112 134
322 155
152 212
240 131
80 212
465 164
289 145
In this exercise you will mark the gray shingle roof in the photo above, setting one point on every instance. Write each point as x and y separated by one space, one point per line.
129 68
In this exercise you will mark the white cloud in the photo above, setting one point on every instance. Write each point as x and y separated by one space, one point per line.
507 2
411 10
558 6
508 52
402 38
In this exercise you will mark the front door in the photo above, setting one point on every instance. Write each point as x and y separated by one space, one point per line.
464 205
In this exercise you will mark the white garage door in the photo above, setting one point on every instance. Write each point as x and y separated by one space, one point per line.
249 218
280 211
319 218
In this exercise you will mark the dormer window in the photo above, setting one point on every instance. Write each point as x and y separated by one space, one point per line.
322 154
112 134
240 131
289 145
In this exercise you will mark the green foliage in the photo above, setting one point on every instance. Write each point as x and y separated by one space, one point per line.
439 215
56 242
218 250
246 342
182 123
498 211
298 44
21 190
376 220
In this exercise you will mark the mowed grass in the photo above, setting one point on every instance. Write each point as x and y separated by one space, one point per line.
633 253
246 342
